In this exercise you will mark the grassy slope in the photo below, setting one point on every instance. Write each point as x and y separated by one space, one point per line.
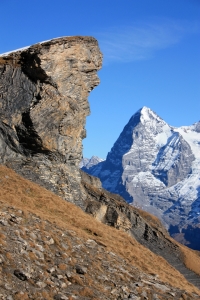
27 196
190 257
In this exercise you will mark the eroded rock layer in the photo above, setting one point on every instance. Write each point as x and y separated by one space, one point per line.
43 92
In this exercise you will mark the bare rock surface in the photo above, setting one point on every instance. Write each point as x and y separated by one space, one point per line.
40 260
43 91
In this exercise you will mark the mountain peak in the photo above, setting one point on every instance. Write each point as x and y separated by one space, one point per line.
148 115
145 109
157 166
89 162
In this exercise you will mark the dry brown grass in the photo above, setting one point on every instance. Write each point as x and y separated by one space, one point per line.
9 256
76 280
32 256
62 266
46 295
151 219
29 197
2 239
21 296
86 292
190 257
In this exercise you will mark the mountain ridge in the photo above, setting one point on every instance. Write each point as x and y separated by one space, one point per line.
156 167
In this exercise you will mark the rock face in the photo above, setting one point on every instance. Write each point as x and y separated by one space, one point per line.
43 93
157 167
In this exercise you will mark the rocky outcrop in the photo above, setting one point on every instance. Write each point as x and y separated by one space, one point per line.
111 209
181 167
43 92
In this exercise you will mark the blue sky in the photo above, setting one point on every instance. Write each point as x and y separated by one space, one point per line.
151 56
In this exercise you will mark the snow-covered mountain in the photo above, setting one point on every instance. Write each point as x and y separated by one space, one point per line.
87 163
156 167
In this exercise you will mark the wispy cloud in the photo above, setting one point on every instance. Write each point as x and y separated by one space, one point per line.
141 40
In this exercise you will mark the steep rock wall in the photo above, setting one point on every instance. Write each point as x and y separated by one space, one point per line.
43 101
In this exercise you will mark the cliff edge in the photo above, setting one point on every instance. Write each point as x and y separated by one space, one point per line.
43 108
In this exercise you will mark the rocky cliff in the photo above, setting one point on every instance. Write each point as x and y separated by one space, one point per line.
43 92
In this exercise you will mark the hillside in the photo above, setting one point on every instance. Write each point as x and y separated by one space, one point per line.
51 249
